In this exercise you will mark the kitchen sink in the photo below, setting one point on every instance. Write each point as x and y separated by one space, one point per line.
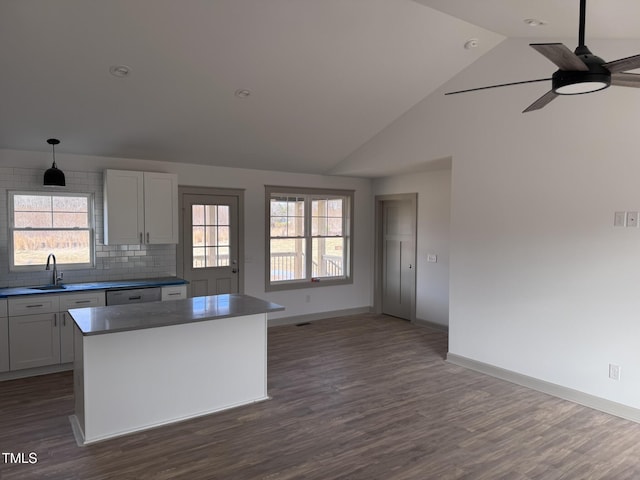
50 287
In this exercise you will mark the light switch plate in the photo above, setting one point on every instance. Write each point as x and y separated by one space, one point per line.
619 219
632 219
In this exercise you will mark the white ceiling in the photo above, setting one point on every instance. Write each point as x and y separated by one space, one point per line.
612 19
326 75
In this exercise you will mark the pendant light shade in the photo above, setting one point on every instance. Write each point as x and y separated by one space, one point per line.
54 177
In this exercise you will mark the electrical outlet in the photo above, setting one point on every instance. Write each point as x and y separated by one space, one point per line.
614 371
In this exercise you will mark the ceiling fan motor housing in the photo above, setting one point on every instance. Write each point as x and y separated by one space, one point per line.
575 82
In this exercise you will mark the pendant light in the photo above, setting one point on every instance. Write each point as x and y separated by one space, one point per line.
54 177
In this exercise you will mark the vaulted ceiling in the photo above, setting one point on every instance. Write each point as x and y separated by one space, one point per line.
324 76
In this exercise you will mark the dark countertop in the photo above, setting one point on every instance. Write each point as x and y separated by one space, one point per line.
80 287
137 316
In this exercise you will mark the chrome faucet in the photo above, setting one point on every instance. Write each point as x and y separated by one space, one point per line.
56 279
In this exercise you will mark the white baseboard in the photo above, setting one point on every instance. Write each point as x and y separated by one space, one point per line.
311 317
576 396
435 326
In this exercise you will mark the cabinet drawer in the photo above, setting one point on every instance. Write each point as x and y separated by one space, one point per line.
81 300
175 292
32 304
3 307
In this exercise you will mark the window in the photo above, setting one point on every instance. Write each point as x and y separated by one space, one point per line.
210 230
43 223
309 237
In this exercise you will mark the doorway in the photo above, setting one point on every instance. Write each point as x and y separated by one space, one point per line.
395 251
210 254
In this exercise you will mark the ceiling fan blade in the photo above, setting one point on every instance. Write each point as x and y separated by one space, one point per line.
541 102
628 63
496 86
559 54
625 79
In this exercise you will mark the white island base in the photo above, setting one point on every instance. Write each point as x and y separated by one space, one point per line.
129 381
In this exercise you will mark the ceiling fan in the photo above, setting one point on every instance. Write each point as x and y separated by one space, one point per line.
579 71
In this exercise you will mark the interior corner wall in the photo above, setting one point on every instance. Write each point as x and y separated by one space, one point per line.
541 282
434 202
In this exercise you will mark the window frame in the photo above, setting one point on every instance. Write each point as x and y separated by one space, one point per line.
310 194
11 228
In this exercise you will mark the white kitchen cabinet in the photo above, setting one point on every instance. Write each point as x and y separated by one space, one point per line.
140 207
40 331
4 336
34 340
160 207
174 292
34 331
75 300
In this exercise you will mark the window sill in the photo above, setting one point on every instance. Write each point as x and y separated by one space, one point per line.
298 284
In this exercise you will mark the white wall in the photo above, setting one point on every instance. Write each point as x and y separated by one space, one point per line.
323 299
434 203
542 284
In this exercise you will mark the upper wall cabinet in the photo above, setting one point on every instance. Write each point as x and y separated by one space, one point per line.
140 207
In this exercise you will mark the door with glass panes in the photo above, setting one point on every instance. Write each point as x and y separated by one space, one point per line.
210 249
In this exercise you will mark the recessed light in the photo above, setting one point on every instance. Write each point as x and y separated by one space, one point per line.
119 70
471 43
534 22
242 93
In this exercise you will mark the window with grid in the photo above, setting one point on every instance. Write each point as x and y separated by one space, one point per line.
309 241
210 230
42 223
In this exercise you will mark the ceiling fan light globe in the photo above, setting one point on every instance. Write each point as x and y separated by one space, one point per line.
580 88
579 82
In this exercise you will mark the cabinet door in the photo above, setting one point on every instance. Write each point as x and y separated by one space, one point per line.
34 341
4 344
67 302
66 338
161 207
123 207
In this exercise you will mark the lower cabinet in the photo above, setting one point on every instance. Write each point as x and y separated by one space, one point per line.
41 329
34 332
4 336
38 331
34 340
67 302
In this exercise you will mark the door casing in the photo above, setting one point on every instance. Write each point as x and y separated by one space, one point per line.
378 248
192 190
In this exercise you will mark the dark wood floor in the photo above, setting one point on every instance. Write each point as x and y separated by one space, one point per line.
361 397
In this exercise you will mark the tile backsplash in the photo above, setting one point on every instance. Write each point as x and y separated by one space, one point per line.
113 262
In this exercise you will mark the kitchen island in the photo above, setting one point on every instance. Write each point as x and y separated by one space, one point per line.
145 365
